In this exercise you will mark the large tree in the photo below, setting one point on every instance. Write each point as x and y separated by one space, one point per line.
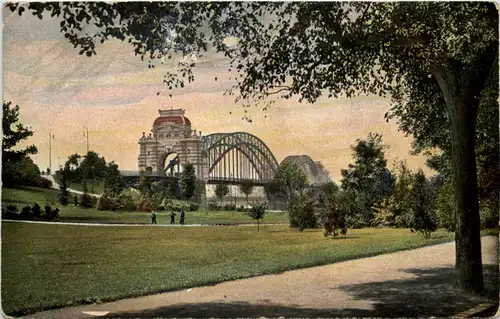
310 48
368 179
13 133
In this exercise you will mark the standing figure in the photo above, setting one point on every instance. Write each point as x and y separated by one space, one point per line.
153 218
182 217
172 217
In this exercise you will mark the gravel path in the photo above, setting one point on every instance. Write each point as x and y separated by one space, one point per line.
409 283
55 185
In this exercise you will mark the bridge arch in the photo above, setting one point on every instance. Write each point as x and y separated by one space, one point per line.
314 174
239 156
169 164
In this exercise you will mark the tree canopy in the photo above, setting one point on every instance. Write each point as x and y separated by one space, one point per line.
405 50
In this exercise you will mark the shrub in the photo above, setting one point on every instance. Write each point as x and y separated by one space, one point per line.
26 212
302 215
106 203
355 221
44 183
51 214
88 201
193 207
145 205
36 210
126 202
10 212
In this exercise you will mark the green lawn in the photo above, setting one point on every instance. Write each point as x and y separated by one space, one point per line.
46 266
97 188
28 195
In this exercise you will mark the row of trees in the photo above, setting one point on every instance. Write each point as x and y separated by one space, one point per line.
372 195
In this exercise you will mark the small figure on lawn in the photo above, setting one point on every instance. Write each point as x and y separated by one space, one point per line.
181 221
153 218
172 217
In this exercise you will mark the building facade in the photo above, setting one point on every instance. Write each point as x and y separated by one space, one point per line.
171 144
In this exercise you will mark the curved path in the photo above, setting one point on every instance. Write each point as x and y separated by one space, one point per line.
55 185
409 283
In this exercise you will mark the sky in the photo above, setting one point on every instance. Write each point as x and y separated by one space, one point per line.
114 94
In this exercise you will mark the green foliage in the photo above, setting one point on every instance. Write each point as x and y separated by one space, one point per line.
332 217
18 169
145 205
63 188
106 203
291 181
88 201
26 212
301 214
424 218
188 181
246 188
36 211
444 206
144 185
113 183
221 191
158 193
367 181
384 215
13 133
30 212
257 212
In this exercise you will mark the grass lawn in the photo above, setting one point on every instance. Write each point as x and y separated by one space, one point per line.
46 266
29 195
98 188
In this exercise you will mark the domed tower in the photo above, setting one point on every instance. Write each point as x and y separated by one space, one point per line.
171 134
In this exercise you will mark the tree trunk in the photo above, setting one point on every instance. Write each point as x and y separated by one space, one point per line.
461 88
258 225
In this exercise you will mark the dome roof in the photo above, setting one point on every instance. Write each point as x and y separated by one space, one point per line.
173 119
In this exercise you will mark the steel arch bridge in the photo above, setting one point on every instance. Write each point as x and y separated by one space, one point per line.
237 157
314 175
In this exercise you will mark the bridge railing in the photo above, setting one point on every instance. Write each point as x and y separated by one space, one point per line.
138 173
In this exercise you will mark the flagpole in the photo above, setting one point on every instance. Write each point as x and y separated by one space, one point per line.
50 151
87 140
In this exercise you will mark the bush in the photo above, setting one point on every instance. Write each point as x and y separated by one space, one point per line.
36 211
88 201
26 212
126 202
229 207
355 221
213 206
302 215
145 205
51 214
106 203
44 183
193 207
10 212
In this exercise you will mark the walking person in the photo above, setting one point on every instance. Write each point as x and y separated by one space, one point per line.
172 217
153 218
182 217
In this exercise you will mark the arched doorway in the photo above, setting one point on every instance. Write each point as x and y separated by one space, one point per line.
170 164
